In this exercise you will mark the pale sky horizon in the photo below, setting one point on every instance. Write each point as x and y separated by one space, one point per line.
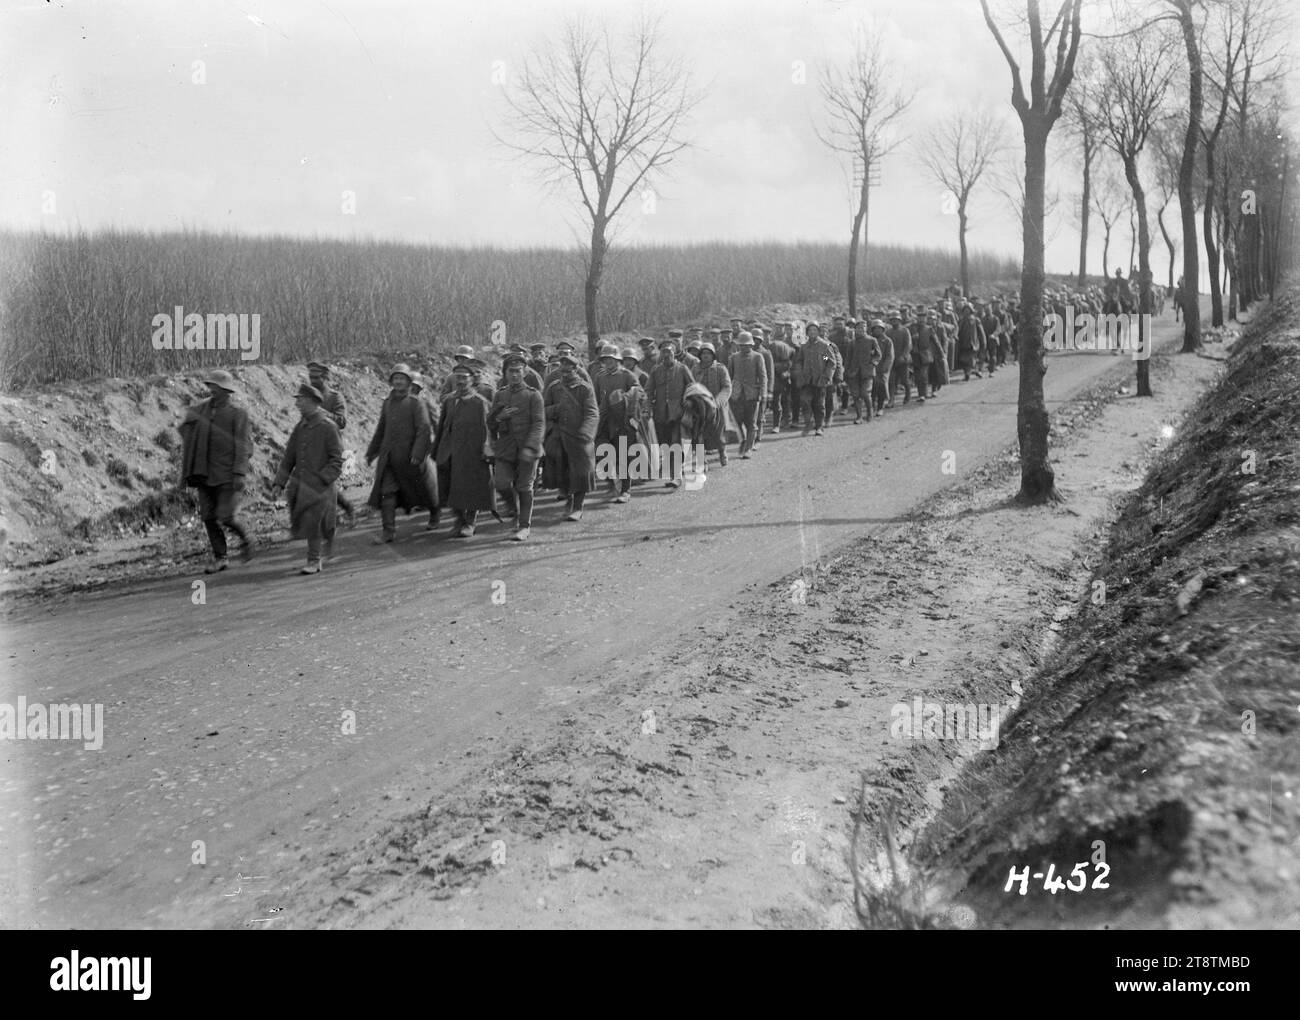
259 117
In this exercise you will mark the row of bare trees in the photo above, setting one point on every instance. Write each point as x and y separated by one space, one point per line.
604 118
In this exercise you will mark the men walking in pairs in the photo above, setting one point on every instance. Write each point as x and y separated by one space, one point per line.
312 462
215 449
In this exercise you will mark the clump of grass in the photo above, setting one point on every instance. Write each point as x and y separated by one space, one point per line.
119 471
90 457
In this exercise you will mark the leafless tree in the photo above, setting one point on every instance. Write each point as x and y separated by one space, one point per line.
1083 128
1039 109
955 156
861 101
603 118
1165 162
1136 73
1108 202
1186 13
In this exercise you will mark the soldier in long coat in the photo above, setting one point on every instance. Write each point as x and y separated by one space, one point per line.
517 422
666 392
399 450
463 453
318 375
570 443
215 450
717 380
312 463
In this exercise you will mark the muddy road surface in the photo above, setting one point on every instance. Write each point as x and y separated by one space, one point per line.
249 732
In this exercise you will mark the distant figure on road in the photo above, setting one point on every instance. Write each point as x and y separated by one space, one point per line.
312 462
748 371
215 449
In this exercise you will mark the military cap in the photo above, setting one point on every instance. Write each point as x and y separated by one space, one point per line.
221 378
745 339
568 359
667 343
609 351
714 331
400 369
306 389
417 382
464 351
693 345
513 358
647 341
539 346
564 345
706 346
630 353
322 369
462 369
674 333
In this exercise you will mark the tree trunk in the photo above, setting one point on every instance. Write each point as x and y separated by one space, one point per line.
1105 253
1037 480
1169 244
1083 220
591 290
961 240
859 222
1186 179
1211 249
1145 303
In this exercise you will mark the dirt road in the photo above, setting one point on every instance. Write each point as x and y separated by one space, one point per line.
229 761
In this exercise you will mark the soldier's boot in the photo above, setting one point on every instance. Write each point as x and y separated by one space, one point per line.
525 519
388 519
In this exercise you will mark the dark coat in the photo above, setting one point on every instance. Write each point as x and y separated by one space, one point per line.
571 421
215 444
401 445
461 450
864 356
517 436
312 463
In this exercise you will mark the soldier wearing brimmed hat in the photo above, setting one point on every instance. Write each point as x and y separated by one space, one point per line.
463 355
666 394
717 380
864 356
399 450
517 422
462 451
901 372
570 444
631 358
612 382
318 374
215 450
748 386
312 463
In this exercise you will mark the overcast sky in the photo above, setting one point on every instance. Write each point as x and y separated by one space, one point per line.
256 117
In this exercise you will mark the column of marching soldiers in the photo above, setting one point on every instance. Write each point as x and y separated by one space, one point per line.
649 412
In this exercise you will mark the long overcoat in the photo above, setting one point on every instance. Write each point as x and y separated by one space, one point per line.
312 463
402 436
461 450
